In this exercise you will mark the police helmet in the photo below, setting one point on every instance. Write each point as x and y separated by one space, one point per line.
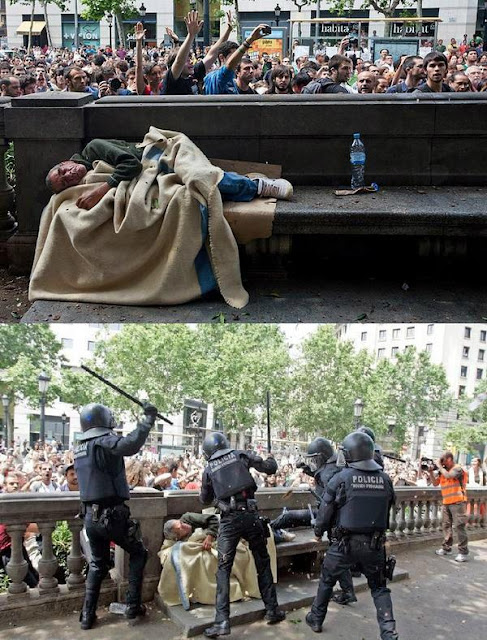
96 420
368 431
214 442
320 446
358 449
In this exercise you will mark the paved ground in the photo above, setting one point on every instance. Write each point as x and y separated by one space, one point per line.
400 298
442 600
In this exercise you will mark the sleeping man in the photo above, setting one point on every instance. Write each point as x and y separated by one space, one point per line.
126 159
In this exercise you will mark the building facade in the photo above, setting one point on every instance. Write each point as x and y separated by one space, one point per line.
460 348
458 17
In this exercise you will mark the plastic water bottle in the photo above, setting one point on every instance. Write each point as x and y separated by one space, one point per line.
357 160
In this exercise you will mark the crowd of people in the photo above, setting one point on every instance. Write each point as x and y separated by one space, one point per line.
49 468
229 68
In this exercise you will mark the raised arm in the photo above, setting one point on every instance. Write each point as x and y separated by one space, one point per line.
193 25
139 69
210 57
237 55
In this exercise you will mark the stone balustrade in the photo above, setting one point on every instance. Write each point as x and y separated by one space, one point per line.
416 519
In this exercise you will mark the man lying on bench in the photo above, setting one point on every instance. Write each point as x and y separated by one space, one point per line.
126 158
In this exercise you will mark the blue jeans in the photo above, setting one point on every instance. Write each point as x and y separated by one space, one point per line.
237 188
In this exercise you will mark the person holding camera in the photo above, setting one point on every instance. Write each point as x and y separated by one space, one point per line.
222 80
228 482
452 480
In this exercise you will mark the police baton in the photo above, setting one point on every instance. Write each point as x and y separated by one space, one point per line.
121 391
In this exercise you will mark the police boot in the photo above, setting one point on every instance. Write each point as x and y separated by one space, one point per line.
274 616
345 597
218 629
87 616
134 611
313 623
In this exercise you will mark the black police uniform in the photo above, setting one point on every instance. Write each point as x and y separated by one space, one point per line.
228 480
358 502
103 487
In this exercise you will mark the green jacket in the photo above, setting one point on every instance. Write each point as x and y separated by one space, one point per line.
124 156
207 521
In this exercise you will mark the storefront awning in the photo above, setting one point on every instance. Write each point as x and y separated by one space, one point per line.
37 28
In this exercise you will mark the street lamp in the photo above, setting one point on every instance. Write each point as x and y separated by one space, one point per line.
109 19
358 407
64 417
6 402
277 14
44 380
142 10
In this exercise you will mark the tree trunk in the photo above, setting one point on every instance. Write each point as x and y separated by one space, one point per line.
237 22
46 20
121 35
419 13
29 41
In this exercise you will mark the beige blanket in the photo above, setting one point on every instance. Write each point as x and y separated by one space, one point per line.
142 243
199 568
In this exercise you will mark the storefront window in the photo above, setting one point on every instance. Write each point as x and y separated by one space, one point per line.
181 8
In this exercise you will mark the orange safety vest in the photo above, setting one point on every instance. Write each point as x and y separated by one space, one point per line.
452 489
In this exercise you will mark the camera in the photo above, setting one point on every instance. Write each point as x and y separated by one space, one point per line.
114 84
266 30
427 464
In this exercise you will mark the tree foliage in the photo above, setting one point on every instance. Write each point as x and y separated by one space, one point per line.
330 376
469 432
25 351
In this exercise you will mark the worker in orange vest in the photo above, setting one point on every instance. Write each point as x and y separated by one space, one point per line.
453 482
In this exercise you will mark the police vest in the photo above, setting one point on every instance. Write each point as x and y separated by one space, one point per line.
367 500
324 475
229 474
98 485
453 489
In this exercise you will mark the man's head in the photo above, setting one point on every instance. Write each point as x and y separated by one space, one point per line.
28 85
366 82
474 74
11 484
225 50
382 84
413 67
177 530
46 472
71 477
384 53
447 460
340 68
65 174
281 78
459 82
10 87
435 65
245 70
472 57
76 79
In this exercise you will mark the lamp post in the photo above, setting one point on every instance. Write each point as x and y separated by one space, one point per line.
76 26
64 417
358 407
277 14
5 403
109 19
44 380
206 23
142 10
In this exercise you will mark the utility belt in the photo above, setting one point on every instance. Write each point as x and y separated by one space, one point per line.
237 503
343 536
104 511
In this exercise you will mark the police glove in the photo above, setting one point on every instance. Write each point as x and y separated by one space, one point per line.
150 413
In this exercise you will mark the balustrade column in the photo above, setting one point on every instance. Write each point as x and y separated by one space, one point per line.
48 564
418 521
17 566
8 225
427 516
410 520
401 526
391 535
75 558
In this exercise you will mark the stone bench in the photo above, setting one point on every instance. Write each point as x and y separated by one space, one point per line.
410 140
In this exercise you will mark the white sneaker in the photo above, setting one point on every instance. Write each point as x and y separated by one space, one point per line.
280 189
461 557
287 536
443 552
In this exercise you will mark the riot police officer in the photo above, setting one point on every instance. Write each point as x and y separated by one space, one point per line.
358 500
98 460
227 480
377 448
